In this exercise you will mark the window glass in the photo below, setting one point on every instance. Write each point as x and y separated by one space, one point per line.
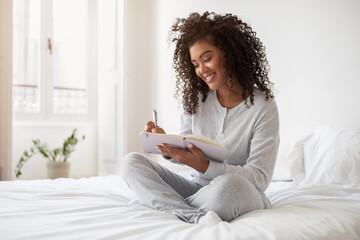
70 34
26 55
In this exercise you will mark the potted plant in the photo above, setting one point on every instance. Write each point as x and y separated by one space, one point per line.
57 165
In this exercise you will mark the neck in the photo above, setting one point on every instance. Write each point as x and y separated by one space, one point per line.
229 99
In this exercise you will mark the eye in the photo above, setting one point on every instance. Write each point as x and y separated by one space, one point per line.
207 59
196 65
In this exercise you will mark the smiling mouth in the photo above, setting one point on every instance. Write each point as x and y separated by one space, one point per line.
209 78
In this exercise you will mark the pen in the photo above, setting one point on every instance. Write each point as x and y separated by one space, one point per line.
155 118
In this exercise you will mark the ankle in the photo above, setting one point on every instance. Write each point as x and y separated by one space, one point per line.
210 217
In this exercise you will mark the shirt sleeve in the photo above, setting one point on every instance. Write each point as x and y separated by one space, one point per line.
264 145
186 123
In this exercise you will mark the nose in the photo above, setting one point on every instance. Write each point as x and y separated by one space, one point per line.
202 68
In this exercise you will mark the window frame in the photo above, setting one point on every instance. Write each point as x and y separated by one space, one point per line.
46 69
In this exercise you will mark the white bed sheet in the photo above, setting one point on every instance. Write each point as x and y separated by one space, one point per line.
97 208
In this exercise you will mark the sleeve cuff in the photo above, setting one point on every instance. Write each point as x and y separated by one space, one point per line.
215 169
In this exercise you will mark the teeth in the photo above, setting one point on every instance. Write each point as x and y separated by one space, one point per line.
209 77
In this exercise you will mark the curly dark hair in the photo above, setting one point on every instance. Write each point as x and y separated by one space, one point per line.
243 54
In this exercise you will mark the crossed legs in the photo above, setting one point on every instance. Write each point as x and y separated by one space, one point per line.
229 195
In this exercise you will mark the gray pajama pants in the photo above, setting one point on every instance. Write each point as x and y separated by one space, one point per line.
229 195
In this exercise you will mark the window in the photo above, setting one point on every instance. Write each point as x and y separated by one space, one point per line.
26 55
51 64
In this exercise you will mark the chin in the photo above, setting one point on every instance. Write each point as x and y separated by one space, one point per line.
213 86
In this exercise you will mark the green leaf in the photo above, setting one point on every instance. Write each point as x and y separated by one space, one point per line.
54 155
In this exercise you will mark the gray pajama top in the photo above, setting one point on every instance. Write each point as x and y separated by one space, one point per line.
251 134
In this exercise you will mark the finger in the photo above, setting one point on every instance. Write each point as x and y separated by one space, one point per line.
150 124
196 151
171 152
158 130
163 150
147 129
175 152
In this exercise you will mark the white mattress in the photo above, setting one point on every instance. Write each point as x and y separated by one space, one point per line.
97 208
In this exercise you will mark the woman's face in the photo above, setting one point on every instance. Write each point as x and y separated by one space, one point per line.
207 60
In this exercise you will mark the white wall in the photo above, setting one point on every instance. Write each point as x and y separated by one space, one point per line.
312 46
141 68
82 161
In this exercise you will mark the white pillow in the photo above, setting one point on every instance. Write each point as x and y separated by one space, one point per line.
332 156
290 159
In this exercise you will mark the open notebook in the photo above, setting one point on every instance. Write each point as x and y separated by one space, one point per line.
212 150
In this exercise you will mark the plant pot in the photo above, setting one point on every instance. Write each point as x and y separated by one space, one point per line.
58 169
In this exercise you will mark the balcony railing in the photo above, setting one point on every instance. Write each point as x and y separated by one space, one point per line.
26 98
69 100
65 100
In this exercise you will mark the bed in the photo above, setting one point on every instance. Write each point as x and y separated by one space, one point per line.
315 194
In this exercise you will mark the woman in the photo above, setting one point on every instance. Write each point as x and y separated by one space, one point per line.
222 76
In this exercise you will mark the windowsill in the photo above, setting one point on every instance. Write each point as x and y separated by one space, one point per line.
40 119
53 123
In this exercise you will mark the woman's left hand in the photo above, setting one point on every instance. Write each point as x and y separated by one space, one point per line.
194 159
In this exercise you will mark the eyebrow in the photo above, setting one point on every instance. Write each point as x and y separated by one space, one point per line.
201 55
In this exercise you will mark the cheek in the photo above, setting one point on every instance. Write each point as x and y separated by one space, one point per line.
219 65
197 72
220 68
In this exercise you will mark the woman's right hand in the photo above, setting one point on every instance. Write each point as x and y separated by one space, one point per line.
150 127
